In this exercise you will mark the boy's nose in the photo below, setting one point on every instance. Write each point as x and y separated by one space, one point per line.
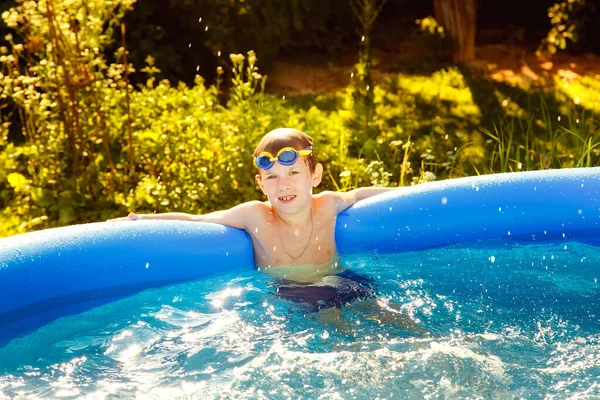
283 183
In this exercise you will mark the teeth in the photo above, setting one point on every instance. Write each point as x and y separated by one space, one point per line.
286 198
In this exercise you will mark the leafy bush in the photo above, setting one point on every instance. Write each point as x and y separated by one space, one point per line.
95 147
217 28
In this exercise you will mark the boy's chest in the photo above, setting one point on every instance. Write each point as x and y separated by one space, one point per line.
281 245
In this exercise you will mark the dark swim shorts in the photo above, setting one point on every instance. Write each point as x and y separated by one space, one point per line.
332 291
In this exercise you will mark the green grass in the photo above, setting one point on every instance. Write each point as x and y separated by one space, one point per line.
463 124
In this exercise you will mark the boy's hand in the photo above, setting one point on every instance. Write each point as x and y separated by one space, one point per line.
130 217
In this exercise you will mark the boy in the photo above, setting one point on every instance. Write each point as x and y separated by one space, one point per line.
293 228
293 232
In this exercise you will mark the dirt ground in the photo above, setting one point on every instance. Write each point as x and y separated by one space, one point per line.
507 63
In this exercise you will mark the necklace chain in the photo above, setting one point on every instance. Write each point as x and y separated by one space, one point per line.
295 259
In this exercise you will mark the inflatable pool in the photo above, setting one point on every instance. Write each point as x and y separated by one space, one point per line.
56 272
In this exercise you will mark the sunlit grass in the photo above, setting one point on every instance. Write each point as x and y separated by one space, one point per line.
584 92
463 125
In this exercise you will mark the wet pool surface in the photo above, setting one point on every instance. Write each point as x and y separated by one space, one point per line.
502 321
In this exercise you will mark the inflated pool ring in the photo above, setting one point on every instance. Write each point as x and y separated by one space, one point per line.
55 272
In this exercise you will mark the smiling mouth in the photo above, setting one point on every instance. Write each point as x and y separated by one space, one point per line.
286 198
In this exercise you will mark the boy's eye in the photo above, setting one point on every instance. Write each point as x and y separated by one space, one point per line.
294 172
271 177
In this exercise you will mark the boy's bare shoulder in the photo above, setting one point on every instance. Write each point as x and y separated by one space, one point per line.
241 216
338 201
257 206
329 195
325 195
256 210
327 199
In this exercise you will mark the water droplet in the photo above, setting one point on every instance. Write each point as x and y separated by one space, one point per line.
444 200
197 68
206 29
493 259
189 46
508 233
219 53
147 265
390 208
200 19
580 211
274 248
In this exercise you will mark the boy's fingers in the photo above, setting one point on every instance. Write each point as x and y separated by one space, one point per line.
130 217
133 216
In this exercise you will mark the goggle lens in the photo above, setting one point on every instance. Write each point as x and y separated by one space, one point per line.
288 157
264 162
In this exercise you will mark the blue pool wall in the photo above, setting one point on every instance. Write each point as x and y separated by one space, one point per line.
536 205
56 272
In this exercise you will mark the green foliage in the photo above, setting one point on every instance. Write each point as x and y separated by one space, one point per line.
362 89
450 124
430 26
573 144
565 21
94 147
217 28
189 149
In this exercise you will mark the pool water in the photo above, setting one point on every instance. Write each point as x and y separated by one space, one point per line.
504 321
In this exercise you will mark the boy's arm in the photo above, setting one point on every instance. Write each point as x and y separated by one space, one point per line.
345 200
236 217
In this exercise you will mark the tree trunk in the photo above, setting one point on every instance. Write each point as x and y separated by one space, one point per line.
458 18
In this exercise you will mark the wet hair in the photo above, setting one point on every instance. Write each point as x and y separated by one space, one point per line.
279 138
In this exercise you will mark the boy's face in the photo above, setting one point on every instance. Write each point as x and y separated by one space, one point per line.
289 187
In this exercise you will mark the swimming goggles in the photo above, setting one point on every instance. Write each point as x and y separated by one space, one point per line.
285 156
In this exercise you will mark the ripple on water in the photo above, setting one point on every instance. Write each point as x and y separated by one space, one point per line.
517 327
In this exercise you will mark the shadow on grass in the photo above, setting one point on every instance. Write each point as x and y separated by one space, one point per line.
538 101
